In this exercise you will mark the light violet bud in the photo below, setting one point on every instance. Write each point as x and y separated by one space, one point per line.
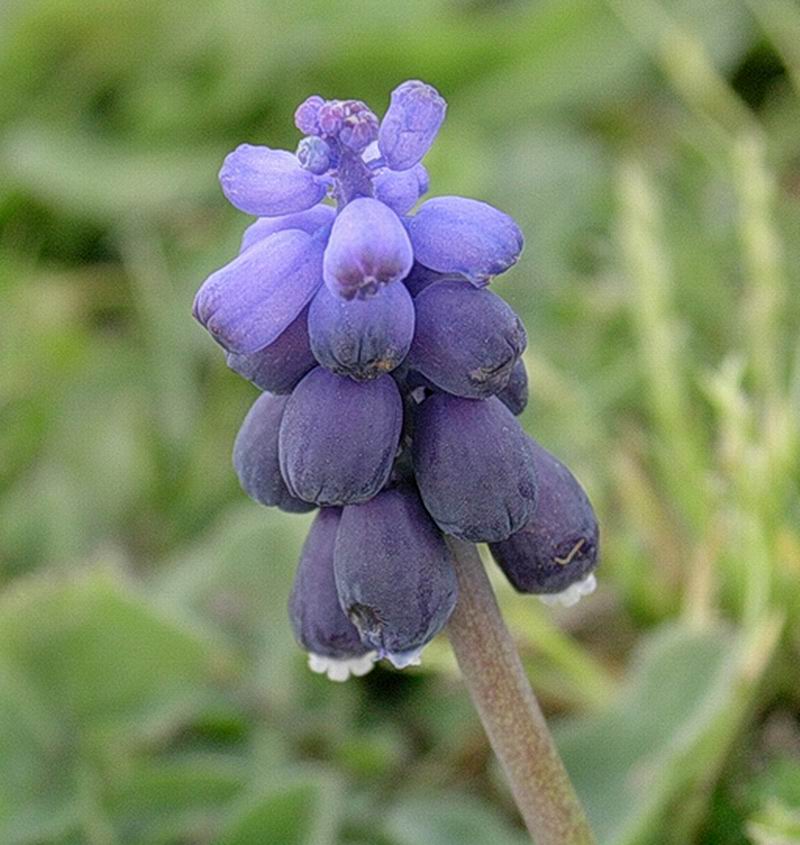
409 127
368 247
400 189
465 236
309 221
255 456
265 182
314 155
248 303
306 117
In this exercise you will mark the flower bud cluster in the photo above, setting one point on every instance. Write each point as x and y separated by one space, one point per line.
392 378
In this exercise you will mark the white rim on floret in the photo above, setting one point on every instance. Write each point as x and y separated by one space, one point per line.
341 668
573 594
401 659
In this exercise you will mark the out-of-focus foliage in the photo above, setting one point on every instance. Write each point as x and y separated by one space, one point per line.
150 692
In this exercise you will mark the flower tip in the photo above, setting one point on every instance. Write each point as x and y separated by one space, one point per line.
403 659
339 669
573 594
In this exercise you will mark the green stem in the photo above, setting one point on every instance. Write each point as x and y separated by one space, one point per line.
509 711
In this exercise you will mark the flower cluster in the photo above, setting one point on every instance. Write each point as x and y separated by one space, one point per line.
392 379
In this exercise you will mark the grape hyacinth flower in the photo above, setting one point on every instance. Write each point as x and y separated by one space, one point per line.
392 382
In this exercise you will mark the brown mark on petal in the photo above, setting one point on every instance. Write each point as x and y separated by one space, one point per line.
563 561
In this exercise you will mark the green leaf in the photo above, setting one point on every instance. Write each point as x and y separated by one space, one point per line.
239 575
449 820
99 656
303 809
165 800
687 693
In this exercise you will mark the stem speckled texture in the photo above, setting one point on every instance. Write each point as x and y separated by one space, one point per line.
509 711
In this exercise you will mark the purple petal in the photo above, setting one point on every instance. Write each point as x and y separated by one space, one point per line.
318 621
308 221
339 437
361 338
368 247
248 303
515 394
409 127
459 235
280 366
400 189
394 573
467 340
255 456
558 546
474 467
265 182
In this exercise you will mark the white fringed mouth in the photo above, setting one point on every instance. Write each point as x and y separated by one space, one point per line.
573 594
401 659
341 668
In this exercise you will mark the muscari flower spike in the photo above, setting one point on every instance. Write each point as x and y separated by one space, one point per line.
392 380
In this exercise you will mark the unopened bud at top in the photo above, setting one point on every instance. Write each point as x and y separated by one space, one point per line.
410 125
314 155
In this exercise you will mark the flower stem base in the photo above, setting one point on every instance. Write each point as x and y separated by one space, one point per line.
509 711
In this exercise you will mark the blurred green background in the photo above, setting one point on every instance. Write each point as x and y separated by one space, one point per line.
150 692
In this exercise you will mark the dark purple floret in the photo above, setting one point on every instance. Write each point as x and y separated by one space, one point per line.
280 366
362 338
420 277
255 456
474 467
339 437
319 623
558 546
394 574
467 340
515 394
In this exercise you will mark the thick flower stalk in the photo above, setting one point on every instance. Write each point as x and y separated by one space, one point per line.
392 379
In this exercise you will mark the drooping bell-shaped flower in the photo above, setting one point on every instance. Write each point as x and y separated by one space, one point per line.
318 621
265 182
280 366
255 456
467 340
394 574
339 437
555 553
474 467
465 236
361 338
368 247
